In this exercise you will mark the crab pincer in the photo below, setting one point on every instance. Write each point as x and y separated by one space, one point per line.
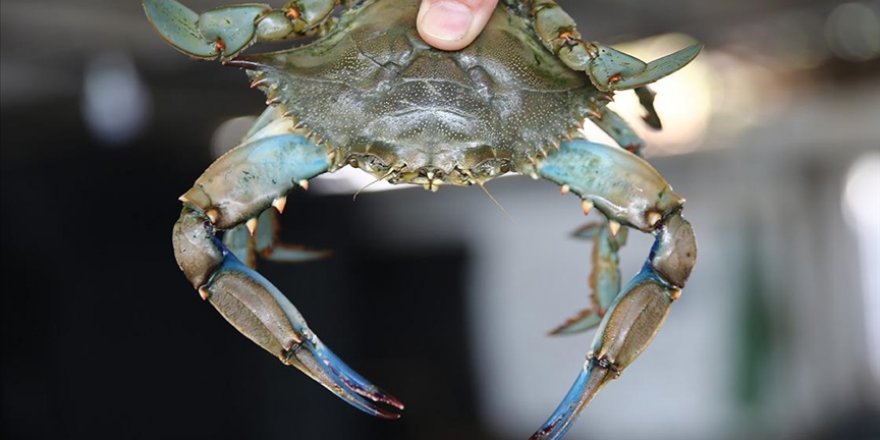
629 191
226 31
238 187
609 69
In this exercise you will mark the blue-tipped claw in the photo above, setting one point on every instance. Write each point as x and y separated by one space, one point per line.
626 330
262 313
361 386
586 385
346 383
631 321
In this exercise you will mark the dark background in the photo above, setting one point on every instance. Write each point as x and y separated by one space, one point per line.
102 336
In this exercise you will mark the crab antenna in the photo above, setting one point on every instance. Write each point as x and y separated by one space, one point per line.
387 175
494 200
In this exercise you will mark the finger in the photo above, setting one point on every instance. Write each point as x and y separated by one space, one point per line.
453 24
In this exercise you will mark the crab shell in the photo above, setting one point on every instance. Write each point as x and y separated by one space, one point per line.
385 101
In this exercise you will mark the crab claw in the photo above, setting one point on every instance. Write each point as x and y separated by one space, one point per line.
585 387
239 187
631 322
615 70
628 192
224 31
261 312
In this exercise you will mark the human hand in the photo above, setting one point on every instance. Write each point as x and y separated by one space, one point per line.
453 24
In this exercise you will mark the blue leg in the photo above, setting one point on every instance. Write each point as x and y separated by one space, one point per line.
618 129
630 192
234 190
604 279
259 238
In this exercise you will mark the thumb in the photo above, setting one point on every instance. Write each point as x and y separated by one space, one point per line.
453 24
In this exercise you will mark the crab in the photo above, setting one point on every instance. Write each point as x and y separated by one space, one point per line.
366 92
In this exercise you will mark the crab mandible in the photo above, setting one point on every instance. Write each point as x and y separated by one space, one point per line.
369 93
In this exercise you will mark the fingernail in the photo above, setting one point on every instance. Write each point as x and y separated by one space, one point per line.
449 21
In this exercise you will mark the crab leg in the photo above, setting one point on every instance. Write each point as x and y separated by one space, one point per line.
629 192
617 128
607 68
260 239
226 31
604 279
238 187
646 99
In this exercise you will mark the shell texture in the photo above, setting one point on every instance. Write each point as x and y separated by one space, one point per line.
374 92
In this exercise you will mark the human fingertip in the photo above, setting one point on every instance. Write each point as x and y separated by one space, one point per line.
446 21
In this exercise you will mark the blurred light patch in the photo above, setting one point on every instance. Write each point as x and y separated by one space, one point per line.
115 102
794 44
853 31
861 208
229 134
861 204
683 99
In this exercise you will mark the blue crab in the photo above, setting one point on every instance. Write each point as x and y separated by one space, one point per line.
367 92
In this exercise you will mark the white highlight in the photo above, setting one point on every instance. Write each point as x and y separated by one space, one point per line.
861 209
350 180
115 102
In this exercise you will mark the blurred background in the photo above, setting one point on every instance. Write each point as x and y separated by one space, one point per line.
773 134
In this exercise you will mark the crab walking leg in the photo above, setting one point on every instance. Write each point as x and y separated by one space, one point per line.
228 30
237 187
607 68
248 242
646 99
629 191
604 279
618 129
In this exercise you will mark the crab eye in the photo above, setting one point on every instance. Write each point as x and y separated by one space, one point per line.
369 162
491 167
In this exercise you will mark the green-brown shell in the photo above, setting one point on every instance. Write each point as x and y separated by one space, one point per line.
384 100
